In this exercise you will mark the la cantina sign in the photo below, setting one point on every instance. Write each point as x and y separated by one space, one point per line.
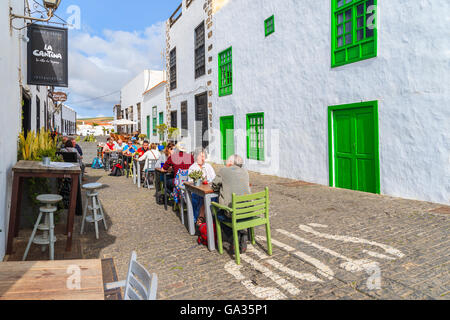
48 52
47 56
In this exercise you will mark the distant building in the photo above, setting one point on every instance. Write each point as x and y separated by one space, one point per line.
65 120
132 98
154 107
98 130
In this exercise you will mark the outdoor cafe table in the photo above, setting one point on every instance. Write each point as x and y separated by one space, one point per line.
34 169
205 191
52 280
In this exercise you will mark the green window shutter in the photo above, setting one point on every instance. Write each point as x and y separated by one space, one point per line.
269 25
155 123
255 136
226 72
354 33
161 121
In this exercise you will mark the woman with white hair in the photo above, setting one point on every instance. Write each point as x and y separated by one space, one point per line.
209 175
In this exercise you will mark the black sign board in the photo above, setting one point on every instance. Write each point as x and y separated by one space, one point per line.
47 56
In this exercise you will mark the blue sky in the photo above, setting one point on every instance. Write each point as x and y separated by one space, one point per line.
117 40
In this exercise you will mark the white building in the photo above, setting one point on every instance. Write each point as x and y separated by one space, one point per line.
65 120
88 129
153 110
315 91
189 103
131 97
25 107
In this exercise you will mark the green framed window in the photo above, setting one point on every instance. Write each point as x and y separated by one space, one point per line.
226 72
255 136
354 33
161 121
155 123
269 25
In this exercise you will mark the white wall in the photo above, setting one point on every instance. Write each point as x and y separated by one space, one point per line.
132 92
182 36
288 76
42 94
156 97
10 122
85 130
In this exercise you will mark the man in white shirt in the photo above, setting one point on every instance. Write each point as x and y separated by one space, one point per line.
151 154
119 145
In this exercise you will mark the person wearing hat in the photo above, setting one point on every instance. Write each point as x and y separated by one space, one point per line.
180 159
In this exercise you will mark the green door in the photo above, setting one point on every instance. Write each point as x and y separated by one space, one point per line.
355 142
148 127
227 136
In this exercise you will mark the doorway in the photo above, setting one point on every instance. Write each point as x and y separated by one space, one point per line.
201 119
26 114
354 147
227 136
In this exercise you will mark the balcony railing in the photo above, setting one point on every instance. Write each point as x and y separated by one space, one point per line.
176 15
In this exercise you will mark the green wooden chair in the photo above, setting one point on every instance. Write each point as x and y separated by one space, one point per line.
247 212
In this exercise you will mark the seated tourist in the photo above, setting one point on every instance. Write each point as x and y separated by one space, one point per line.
151 154
232 179
61 144
165 154
208 174
70 147
179 159
129 149
142 150
119 145
109 146
77 146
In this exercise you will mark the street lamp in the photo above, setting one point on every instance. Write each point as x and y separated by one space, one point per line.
52 4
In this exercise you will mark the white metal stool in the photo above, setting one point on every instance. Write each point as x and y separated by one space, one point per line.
96 207
48 227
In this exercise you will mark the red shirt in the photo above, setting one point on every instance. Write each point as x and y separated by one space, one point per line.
179 161
141 151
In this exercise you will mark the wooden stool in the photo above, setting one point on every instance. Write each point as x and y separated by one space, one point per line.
48 227
96 207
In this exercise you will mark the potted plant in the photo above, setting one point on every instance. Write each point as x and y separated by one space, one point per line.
173 133
46 156
197 176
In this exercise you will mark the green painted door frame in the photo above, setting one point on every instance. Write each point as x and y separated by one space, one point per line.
353 143
227 136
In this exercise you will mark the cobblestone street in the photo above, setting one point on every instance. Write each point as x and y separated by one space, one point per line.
327 244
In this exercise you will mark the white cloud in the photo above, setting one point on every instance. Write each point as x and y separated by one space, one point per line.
102 65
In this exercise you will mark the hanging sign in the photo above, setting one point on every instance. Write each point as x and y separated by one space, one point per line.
47 56
59 96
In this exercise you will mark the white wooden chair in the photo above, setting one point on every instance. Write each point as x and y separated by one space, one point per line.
139 285
151 165
183 201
